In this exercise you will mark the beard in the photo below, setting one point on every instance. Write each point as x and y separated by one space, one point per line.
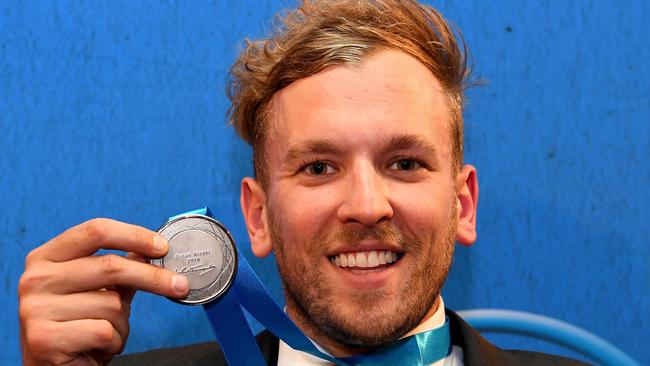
372 317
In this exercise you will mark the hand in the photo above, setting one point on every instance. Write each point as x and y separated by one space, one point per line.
74 306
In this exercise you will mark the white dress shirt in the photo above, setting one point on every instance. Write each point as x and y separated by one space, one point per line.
288 356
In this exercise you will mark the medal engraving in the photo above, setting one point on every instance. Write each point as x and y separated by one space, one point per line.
201 249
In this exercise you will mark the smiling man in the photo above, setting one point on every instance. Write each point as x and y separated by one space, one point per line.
361 202
354 113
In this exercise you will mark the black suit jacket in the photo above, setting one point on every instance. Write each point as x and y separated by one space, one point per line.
476 351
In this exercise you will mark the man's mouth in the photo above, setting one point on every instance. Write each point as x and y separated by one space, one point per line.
366 260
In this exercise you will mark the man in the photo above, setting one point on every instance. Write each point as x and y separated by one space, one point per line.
354 113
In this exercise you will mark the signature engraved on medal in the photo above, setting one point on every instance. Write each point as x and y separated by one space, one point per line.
198 268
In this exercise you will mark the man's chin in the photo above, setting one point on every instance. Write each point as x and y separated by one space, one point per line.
368 310
361 337
362 325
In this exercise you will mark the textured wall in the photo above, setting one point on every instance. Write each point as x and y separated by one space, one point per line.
117 109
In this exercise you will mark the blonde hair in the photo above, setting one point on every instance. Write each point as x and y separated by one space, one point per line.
319 34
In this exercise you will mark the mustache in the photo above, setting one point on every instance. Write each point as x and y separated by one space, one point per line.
387 233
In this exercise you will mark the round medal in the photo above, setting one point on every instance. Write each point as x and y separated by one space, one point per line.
201 249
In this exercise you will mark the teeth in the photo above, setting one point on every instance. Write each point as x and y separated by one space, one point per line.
373 259
369 259
352 260
382 257
344 260
362 262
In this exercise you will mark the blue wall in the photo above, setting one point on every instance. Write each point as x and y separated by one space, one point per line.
117 109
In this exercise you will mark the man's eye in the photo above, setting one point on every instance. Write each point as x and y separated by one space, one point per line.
318 168
405 164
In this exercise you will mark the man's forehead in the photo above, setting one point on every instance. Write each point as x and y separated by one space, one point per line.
385 74
390 87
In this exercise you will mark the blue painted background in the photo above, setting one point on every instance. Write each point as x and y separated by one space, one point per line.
117 108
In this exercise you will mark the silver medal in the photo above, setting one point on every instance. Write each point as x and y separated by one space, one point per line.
201 249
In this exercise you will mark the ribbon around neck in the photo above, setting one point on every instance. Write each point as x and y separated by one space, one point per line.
238 344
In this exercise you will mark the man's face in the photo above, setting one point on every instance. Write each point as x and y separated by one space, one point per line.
361 203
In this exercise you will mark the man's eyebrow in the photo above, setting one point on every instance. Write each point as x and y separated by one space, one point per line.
401 142
312 147
406 142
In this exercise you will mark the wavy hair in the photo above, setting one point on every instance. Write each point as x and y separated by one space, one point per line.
320 34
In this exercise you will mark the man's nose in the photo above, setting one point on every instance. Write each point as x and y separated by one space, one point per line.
366 199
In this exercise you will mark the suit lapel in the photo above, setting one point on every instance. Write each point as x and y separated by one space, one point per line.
269 346
476 349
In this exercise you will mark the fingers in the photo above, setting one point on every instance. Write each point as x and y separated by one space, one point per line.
61 342
85 305
102 271
97 320
87 238
128 293
74 306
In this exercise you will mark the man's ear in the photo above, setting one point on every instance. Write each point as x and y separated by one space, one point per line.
253 206
466 201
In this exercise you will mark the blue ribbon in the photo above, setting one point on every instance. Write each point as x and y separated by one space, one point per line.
238 343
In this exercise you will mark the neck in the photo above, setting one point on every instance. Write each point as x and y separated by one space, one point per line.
335 348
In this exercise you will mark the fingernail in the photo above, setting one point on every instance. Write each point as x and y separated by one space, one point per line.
159 243
179 283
